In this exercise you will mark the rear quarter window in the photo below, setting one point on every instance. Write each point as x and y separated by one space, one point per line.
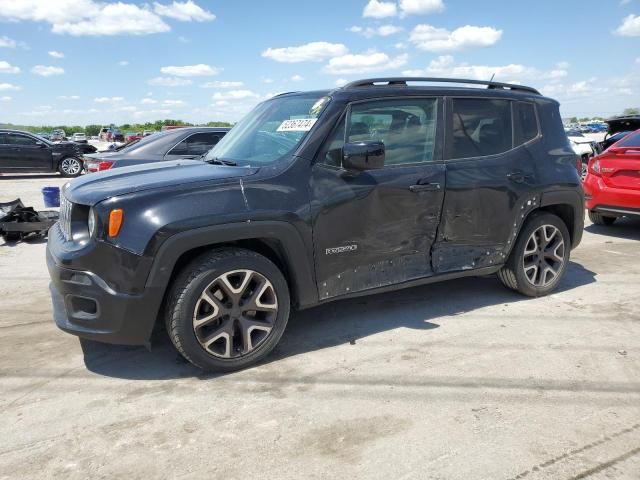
632 140
526 123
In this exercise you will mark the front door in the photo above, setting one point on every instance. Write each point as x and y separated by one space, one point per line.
29 154
376 228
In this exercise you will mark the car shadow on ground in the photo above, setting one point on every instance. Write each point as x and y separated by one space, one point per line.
625 228
337 323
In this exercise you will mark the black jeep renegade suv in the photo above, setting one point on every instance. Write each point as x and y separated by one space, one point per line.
314 197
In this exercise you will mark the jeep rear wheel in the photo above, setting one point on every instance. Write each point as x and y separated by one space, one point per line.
228 309
540 256
598 219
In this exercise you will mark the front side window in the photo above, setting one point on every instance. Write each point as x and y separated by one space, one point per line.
196 144
22 140
271 131
407 128
480 127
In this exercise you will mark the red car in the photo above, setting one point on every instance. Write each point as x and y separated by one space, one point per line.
612 186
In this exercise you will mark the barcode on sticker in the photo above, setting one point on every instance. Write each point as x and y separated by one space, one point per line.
298 125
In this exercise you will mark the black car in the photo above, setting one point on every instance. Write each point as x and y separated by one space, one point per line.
315 197
170 145
24 152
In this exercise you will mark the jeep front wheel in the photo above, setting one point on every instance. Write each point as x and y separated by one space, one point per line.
228 309
539 257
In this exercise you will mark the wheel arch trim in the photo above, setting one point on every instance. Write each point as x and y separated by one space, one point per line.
298 266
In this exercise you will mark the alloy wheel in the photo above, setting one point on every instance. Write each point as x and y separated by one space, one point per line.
235 313
71 166
543 257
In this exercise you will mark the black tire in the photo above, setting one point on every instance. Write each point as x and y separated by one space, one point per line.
185 297
598 219
513 273
70 167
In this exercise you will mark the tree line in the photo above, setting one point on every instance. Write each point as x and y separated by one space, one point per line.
92 130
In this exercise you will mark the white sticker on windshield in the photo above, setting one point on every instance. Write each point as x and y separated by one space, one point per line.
298 125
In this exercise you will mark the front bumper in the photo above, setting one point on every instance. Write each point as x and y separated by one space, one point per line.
605 199
84 304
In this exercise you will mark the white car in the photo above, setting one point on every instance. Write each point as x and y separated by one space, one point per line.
584 147
79 137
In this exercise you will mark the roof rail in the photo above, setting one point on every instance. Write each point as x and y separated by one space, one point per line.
402 81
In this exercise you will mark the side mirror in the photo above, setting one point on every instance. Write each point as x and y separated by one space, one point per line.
360 156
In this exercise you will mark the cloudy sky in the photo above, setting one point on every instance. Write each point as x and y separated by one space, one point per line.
91 61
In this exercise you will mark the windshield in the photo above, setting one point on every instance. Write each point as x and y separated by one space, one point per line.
271 131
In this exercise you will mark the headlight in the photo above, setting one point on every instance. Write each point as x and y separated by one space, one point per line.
92 222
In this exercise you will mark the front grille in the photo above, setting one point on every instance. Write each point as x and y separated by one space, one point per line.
65 217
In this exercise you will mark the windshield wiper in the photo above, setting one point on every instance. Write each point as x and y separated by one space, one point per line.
220 161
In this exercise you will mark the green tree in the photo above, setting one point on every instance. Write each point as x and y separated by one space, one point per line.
631 111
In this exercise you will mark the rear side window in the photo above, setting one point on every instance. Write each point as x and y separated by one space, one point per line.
630 141
4 139
196 144
526 122
480 127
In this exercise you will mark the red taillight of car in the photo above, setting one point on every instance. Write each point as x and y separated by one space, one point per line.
579 164
99 166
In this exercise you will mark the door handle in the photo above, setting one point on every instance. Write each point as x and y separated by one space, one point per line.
517 176
425 187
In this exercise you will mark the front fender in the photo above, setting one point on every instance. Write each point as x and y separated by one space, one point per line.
296 254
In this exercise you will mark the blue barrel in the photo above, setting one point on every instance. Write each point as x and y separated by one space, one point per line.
51 196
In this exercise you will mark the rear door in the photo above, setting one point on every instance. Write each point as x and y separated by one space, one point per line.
376 228
194 145
29 154
490 177
6 151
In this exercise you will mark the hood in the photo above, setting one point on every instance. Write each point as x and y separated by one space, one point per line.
580 139
66 146
96 187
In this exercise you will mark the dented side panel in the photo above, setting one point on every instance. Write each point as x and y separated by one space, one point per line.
371 230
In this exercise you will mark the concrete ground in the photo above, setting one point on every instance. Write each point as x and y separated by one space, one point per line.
460 380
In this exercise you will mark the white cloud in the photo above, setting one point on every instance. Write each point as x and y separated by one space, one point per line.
630 26
8 86
88 17
434 39
55 54
380 31
581 89
400 45
108 99
68 97
123 63
310 52
421 7
169 82
222 84
6 67
183 11
354 64
379 9
235 95
47 71
148 101
5 99
173 103
341 82
200 70
6 42
297 78
446 66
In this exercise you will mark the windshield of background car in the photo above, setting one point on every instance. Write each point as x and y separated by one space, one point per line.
271 131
